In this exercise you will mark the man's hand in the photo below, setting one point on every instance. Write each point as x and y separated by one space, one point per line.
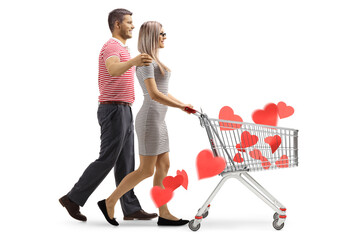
142 60
117 68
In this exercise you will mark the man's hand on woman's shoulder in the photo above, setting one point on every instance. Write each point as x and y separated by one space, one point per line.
142 59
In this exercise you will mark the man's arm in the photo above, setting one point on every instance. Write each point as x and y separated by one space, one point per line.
117 68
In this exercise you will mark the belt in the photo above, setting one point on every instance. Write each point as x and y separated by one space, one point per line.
116 102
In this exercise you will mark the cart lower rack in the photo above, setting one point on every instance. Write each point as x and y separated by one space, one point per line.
248 147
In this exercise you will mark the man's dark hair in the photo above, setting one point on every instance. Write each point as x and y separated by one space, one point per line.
117 15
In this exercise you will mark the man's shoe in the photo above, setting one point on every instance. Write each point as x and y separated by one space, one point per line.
140 215
166 222
72 208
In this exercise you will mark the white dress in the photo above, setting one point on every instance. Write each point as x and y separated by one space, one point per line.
150 123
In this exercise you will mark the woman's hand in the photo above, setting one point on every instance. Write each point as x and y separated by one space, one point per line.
186 105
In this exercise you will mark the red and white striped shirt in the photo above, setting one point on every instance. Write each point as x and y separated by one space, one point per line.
115 88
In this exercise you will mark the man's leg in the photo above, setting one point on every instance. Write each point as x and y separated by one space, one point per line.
113 134
124 165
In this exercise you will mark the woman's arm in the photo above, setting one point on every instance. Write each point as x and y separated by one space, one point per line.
173 98
178 101
158 96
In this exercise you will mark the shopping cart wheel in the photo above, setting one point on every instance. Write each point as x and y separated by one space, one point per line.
276 216
191 225
278 227
205 214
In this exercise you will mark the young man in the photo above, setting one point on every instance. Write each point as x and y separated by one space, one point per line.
116 85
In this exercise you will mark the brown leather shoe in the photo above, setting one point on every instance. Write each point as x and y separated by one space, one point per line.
140 215
72 208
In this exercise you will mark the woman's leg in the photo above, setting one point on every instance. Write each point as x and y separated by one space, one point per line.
145 170
162 168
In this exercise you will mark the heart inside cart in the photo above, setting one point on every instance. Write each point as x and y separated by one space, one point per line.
247 140
274 142
283 162
238 158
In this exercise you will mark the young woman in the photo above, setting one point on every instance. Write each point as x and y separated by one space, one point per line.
150 125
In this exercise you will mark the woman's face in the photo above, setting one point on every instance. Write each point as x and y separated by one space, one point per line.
162 38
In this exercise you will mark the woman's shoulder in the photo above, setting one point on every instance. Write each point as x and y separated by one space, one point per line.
152 64
146 68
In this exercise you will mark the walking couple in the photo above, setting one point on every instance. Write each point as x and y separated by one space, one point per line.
116 85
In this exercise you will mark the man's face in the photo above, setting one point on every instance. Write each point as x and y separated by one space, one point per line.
126 27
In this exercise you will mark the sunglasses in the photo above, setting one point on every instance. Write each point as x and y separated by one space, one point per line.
163 34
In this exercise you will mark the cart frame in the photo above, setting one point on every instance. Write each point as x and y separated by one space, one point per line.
241 173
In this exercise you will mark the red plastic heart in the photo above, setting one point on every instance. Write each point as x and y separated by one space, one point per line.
283 162
185 178
240 148
226 113
173 182
238 158
274 142
256 154
265 163
248 140
284 111
161 196
268 116
208 165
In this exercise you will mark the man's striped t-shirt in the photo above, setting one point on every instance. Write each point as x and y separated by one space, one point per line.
115 88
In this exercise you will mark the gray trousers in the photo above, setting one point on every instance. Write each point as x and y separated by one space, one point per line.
117 150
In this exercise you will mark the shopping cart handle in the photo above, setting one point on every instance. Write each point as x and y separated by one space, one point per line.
190 110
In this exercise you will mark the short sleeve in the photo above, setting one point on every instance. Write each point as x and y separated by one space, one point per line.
111 50
145 72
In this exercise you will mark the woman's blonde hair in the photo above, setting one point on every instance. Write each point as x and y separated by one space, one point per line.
149 42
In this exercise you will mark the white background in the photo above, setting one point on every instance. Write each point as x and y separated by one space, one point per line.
243 54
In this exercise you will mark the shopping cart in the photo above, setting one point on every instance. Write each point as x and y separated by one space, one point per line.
248 147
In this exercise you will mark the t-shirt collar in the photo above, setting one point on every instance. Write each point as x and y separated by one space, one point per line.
123 45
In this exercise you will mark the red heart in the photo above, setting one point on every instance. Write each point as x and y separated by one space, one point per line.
185 178
226 113
173 182
265 163
274 142
208 165
240 148
247 140
256 154
238 158
284 111
268 116
161 196
283 162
